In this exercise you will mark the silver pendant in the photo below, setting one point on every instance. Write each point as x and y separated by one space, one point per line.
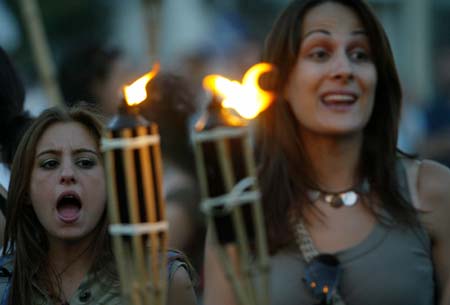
337 200
346 198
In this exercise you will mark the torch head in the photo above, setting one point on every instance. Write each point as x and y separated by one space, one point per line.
217 116
127 117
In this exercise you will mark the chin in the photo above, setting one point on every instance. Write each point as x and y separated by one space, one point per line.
71 235
343 128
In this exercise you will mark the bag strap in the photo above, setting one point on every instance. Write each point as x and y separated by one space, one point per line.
309 251
412 169
175 260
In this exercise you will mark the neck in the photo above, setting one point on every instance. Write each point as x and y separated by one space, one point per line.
70 261
70 258
335 160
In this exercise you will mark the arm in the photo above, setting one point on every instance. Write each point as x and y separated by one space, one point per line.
433 189
181 290
218 290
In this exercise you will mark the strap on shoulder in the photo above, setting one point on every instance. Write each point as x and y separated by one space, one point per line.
175 260
412 167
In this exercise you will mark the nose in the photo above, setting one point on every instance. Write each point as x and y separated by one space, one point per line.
67 175
342 68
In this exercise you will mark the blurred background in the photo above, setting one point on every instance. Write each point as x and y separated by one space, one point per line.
195 37
93 47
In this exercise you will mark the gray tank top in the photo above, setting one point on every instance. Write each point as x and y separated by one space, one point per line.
392 266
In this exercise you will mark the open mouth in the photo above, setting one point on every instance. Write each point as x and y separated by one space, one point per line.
68 207
339 100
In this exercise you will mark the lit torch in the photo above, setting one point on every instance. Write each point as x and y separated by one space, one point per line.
135 200
227 177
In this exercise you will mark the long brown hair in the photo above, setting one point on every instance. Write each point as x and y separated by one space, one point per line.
285 173
25 237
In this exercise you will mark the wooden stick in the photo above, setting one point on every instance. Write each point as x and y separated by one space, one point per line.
229 269
41 51
162 208
260 231
149 195
113 212
133 204
242 283
238 221
223 257
201 169
153 20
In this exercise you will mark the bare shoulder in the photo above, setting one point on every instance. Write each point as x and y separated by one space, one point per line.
433 189
181 289
181 278
433 184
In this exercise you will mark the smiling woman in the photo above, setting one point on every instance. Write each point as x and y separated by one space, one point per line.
57 249
350 219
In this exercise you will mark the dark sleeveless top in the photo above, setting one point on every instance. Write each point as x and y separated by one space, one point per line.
392 266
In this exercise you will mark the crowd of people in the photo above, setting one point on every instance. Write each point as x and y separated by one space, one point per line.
332 178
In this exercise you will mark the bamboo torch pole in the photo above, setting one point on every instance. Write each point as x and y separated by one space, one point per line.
230 192
135 201
152 9
218 150
41 51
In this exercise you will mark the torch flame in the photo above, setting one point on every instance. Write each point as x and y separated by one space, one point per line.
136 92
247 98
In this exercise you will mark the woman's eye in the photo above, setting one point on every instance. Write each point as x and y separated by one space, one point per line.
86 163
319 55
359 55
48 164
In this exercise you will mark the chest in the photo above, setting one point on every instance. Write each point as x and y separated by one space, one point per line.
389 267
89 292
335 229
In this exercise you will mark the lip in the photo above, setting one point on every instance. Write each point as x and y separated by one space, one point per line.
339 92
344 99
73 218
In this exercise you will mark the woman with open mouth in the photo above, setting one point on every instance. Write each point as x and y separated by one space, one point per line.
57 248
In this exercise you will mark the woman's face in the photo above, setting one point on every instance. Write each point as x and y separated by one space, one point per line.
331 88
67 185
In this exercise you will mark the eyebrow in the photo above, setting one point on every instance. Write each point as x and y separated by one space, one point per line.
58 152
325 32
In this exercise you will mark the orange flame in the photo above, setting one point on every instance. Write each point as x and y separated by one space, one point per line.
247 98
136 93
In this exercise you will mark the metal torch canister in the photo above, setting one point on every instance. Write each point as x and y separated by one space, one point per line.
136 207
230 195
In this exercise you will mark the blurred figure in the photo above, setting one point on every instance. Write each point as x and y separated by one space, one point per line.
95 75
13 122
412 128
437 143
171 104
